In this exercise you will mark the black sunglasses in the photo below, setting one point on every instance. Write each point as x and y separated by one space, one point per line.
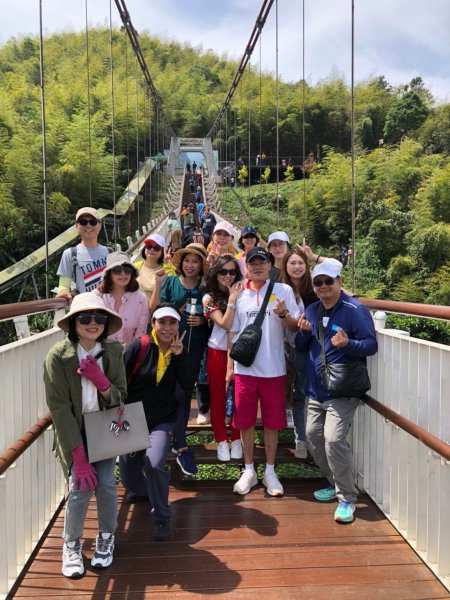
86 318
92 222
225 272
320 281
122 269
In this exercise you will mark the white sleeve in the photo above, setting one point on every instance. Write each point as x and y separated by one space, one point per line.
291 304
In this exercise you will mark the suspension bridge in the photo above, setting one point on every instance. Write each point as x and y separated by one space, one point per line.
290 547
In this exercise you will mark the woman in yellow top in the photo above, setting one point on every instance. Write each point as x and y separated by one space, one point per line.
153 255
221 242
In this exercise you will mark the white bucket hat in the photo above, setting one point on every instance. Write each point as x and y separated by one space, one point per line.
117 259
87 302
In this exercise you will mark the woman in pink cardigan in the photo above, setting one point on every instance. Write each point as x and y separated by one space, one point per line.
120 292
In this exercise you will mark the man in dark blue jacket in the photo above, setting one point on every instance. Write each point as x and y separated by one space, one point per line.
348 337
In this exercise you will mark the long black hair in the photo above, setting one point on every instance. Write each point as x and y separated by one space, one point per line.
218 295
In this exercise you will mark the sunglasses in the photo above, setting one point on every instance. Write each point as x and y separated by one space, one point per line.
122 269
153 246
225 272
91 222
320 281
86 318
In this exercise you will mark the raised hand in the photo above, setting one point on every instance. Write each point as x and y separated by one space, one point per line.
340 339
176 347
280 308
90 370
235 291
303 324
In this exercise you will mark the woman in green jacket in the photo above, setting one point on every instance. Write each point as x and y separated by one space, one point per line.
79 372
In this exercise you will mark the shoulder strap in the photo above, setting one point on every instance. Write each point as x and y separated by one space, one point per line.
144 344
73 255
321 331
262 311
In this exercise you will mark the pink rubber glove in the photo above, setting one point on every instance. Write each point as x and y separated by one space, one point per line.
90 369
84 475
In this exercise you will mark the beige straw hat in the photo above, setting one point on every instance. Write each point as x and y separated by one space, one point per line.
194 248
87 302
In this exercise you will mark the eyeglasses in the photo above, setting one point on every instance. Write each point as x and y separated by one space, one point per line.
320 281
225 272
85 222
86 318
153 246
127 269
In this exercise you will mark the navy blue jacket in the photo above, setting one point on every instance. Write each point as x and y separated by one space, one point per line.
349 315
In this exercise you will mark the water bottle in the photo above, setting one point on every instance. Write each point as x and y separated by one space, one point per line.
229 403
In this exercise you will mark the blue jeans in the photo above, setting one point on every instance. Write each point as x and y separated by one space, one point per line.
299 399
78 501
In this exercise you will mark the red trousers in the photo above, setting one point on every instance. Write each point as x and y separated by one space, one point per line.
217 370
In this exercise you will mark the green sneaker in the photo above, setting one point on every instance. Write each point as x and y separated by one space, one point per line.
325 494
345 512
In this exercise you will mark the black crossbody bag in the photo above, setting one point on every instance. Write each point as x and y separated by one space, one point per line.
341 379
245 348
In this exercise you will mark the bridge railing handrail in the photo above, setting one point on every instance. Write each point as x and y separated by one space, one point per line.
32 307
428 439
430 311
12 453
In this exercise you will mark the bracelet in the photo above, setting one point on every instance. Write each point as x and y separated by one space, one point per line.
317 259
231 305
284 315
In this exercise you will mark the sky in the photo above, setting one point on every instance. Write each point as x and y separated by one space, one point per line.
399 39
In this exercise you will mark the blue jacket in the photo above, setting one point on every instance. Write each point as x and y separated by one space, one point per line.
347 314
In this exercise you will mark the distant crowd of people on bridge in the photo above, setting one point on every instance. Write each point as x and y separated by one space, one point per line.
251 327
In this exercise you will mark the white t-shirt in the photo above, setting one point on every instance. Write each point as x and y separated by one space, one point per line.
270 360
218 340
89 393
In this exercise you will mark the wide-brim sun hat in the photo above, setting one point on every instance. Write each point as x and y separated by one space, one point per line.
194 248
118 259
90 301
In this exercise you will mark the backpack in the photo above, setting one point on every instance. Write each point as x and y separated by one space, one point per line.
144 345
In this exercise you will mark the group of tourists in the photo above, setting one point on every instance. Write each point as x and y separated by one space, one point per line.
246 324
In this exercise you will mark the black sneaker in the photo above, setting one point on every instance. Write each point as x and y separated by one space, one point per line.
161 531
186 462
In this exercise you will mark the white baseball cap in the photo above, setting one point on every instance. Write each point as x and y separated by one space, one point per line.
166 311
224 226
157 238
280 236
329 266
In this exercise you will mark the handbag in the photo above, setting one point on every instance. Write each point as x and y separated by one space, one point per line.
342 379
115 431
245 348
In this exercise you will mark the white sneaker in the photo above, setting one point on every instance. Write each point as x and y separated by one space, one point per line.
247 480
236 449
223 451
73 563
301 450
272 484
202 418
104 548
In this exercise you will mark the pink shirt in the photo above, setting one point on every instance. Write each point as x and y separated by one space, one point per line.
135 315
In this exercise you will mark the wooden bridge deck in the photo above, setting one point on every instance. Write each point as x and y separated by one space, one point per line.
228 546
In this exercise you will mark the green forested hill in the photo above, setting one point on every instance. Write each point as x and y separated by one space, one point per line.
403 189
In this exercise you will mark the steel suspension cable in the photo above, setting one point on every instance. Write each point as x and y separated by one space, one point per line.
113 148
277 100
249 129
260 109
352 134
127 133
305 207
137 148
259 24
88 82
44 142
